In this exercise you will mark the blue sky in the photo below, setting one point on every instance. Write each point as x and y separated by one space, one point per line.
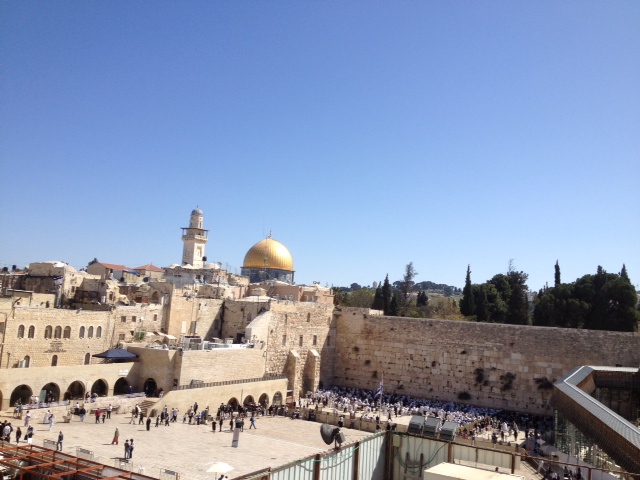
365 135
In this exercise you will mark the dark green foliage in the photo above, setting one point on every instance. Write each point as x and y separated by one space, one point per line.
604 301
393 306
467 304
422 300
386 295
378 301
557 275
518 303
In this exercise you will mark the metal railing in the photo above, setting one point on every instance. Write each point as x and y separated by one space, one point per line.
229 382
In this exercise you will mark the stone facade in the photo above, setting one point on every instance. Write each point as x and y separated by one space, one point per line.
495 365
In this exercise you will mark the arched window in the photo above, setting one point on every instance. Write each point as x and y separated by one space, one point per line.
21 331
27 361
87 359
54 360
32 332
90 332
99 332
67 332
81 332
48 332
57 333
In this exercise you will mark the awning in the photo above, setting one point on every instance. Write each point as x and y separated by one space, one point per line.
116 354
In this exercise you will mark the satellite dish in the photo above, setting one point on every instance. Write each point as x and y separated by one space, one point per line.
329 434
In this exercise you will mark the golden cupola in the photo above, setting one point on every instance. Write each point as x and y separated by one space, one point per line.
268 259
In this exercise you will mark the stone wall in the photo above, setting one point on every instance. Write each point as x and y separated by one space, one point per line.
191 315
502 366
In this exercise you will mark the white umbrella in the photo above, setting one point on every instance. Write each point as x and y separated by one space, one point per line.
219 467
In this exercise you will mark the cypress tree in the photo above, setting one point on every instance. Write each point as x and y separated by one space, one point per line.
467 304
557 275
386 295
623 273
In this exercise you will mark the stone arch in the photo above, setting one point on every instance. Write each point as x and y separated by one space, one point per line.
53 390
264 400
32 332
54 361
22 393
99 332
277 398
67 332
87 358
233 403
248 400
57 332
150 387
81 335
48 332
121 386
74 391
21 331
155 297
90 332
100 387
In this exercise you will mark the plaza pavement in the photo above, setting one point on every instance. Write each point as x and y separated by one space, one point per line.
191 449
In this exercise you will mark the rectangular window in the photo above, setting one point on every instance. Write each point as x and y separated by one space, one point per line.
133 319
315 340
301 340
121 336
284 340
155 317
123 318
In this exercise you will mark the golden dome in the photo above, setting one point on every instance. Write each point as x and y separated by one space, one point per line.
268 253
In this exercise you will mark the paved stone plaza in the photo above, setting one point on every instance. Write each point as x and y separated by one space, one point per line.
191 449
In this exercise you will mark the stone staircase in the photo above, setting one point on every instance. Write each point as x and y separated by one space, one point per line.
147 404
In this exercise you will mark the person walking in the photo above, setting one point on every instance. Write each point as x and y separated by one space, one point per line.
52 421
27 418
141 421
29 436
213 426
18 434
60 439
252 422
116 436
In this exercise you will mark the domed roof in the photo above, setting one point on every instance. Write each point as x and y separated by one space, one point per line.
268 253
197 211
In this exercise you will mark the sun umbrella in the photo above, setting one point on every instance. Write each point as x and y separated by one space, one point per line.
219 467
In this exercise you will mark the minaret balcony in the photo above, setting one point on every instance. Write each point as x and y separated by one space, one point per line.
193 236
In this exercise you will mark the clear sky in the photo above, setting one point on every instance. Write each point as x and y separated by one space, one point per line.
365 135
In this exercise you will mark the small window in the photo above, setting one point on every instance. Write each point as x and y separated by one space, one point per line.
284 340
48 331
87 359
54 361
155 317
315 340
57 333
67 332
308 317
133 319
99 332
32 332
121 337
27 361
21 331
81 332
123 318
90 332
301 340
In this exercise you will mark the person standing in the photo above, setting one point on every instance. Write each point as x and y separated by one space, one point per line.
98 413
141 421
116 436
27 418
60 439
109 409
213 426
30 434
18 434
131 448
148 423
127 449
83 412
52 421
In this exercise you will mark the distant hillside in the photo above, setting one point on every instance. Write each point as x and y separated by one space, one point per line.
429 287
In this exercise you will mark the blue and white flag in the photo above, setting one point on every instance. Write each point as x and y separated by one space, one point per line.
379 390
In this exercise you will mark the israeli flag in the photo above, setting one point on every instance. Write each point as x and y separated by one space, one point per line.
379 390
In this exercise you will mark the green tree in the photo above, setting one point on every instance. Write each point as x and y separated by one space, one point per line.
393 306
407 280
623 273
362 298
386 295
378 301
482 304
467 304
339 296
557 275
518 303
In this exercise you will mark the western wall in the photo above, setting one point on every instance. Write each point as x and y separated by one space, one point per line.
494 365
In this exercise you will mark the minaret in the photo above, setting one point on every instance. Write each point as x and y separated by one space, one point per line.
195 239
